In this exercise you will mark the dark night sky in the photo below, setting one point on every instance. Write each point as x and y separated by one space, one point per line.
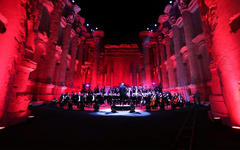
121 20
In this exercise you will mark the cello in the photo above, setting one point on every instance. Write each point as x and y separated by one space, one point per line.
153 100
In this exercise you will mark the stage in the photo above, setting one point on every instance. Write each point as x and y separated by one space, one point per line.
55 129
123 113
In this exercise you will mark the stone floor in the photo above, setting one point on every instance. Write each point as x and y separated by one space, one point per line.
53 128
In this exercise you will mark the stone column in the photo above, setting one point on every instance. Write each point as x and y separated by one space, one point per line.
181 71
112 77
34 14
171 75
12 22
145 37
78 76
164 81
155 54
46 66
192 58
200 41
223 21
159 63
134 75
148 67
102 70
49 63
156 63
71 71
203 62
181 74
97 36
62 67
21 96
108 81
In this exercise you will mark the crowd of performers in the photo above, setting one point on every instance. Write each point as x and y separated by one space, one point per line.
135 96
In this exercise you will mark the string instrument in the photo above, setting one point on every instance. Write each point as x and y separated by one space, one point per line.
176 100
171 101
152 103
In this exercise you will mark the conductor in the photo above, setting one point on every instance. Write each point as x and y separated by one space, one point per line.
123 93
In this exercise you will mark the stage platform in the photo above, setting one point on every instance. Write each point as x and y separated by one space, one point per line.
122 107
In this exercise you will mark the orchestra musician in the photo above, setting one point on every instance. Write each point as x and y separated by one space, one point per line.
135 95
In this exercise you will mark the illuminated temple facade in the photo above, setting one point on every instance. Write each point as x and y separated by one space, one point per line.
46 50
179 58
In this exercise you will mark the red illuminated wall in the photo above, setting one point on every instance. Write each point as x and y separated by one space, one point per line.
31 48
12 63
45 50
122 64
222 24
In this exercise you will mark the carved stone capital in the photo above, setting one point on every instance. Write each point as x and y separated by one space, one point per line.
165 31
172 20
70 19
41 38
183 4
58 53
168 9
63 22
48 5
208 10
163 18
98 34
73 33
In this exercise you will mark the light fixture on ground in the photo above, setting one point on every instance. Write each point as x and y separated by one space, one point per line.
108 112
31 116
217 118
236 127
2 127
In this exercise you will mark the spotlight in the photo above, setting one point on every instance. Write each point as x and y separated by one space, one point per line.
1 128
170 2
96 28
87 25
151 30
236 127
88 85
155 25
217 118
147 28
73 1
31 117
